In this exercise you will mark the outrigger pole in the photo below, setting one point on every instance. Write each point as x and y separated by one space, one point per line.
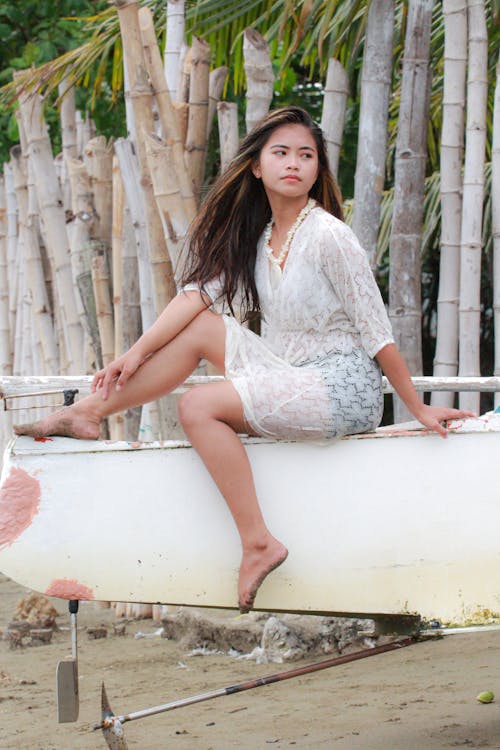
112 726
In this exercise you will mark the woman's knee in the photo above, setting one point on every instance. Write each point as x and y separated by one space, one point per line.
191 408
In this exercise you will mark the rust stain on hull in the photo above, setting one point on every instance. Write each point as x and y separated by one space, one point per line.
19 503
65 588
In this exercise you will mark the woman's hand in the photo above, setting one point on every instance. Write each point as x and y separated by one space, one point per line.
433 417
394 366
120 370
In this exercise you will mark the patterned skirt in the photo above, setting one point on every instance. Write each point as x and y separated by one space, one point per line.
333 396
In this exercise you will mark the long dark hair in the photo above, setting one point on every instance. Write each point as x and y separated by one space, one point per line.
223 237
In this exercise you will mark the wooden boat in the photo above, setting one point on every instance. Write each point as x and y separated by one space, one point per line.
397 522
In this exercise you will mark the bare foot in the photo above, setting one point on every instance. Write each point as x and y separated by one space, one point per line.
65 422
256 564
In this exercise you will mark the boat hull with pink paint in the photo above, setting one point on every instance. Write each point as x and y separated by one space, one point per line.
375 525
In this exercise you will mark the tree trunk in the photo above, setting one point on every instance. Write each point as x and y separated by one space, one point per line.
409 179
196 137
495 220
452 142
173 45
373 115
472 206
227 113
260 77
140 92
334 105
54 223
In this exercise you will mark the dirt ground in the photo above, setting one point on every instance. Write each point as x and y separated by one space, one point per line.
419 698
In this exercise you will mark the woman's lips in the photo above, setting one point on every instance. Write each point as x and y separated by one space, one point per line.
291 178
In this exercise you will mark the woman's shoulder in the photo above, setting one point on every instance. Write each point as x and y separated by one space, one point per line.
330 227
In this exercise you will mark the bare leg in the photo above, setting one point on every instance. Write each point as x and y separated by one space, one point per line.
167 368
211 415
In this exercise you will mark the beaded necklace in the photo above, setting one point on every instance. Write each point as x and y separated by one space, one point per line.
277 260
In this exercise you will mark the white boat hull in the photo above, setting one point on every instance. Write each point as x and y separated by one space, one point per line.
374 524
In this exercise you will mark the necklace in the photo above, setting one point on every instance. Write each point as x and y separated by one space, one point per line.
277 260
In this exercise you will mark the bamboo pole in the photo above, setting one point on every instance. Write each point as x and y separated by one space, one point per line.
135 201
216 83
196 137
495 220
12 228
5 347
334 107
472 205
68 135
68 120
101 283
405 308
98 160
227 113
166 110
260 77
451 156
81 233
54 221
373 116
168 197
117 423
174 42
131 312
117 254
141 97
184 74
33 273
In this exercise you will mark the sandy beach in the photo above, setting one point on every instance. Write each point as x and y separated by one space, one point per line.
422 697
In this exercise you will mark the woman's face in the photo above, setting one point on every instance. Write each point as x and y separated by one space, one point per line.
288 162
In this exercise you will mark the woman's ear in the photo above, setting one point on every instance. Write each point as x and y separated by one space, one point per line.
256 171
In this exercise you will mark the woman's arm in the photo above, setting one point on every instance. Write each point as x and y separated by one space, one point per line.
174 318
394 366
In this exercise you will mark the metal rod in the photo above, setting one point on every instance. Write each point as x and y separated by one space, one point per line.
255 683
16 385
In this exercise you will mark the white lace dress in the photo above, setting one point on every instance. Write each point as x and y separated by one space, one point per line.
311 373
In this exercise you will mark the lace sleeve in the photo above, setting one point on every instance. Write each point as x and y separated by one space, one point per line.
350 274
212 288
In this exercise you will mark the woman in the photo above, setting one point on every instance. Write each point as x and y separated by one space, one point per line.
270 235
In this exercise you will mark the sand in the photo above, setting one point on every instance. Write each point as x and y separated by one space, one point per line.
422 697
